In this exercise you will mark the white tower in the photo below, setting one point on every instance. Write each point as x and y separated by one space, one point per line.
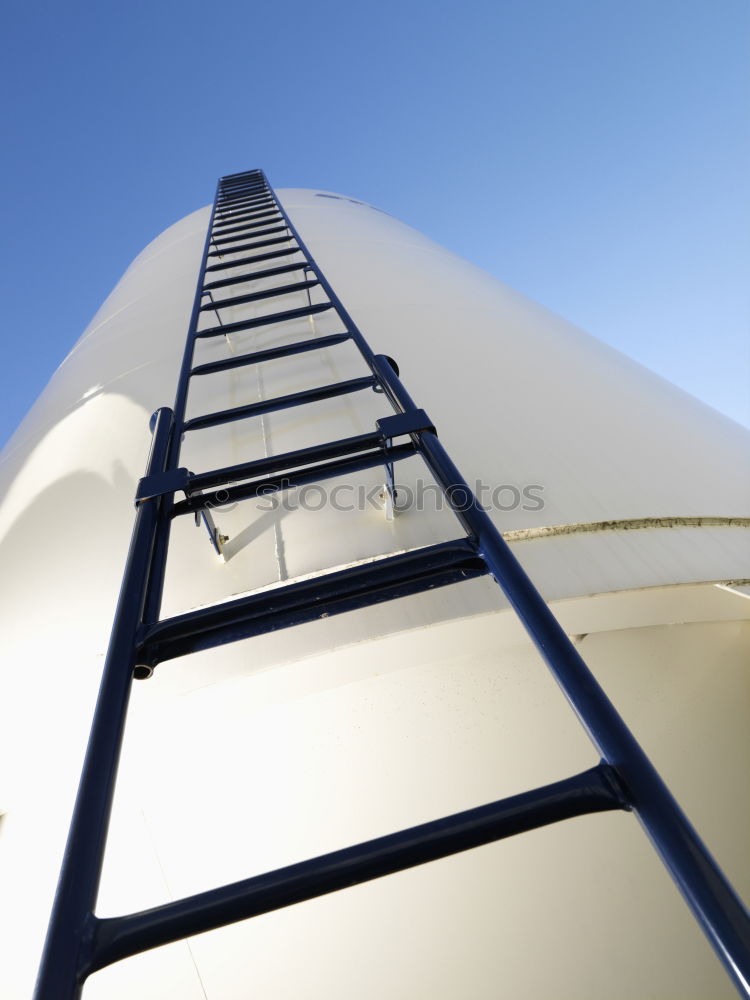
624 499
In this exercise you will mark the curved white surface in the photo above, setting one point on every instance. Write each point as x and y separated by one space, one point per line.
383 718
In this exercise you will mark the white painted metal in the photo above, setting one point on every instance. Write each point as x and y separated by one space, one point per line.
272 750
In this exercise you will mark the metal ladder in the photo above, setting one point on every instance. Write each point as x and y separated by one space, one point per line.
248 218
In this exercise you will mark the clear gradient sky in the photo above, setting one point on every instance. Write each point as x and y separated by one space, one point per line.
594 154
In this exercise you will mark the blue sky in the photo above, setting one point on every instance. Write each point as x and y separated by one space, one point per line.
593 154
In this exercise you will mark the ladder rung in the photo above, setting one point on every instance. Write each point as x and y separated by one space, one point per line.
287 350
247 231
250 324
285 461
339 469
246 202
273 255
246 215
382 579
251 204
280 403
271 211
268 293
243 198
248 246
231 178
252 210
227 184
243 176
242 182
230 189
592 791
269 272
269 218
245 191
243 204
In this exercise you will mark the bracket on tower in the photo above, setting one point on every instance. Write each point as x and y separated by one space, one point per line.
217 539
161 483
410 422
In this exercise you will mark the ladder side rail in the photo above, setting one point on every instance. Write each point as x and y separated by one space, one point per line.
708 893
364 348
72 920
156 582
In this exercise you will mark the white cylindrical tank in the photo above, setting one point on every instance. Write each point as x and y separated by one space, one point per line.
625 499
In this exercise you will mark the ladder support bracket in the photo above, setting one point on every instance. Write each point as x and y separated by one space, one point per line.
411 422
215 536
162 483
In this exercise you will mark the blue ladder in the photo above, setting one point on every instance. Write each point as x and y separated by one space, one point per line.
247 218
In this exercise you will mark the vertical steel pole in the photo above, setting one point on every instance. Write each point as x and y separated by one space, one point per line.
716 906
71 924
156 582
